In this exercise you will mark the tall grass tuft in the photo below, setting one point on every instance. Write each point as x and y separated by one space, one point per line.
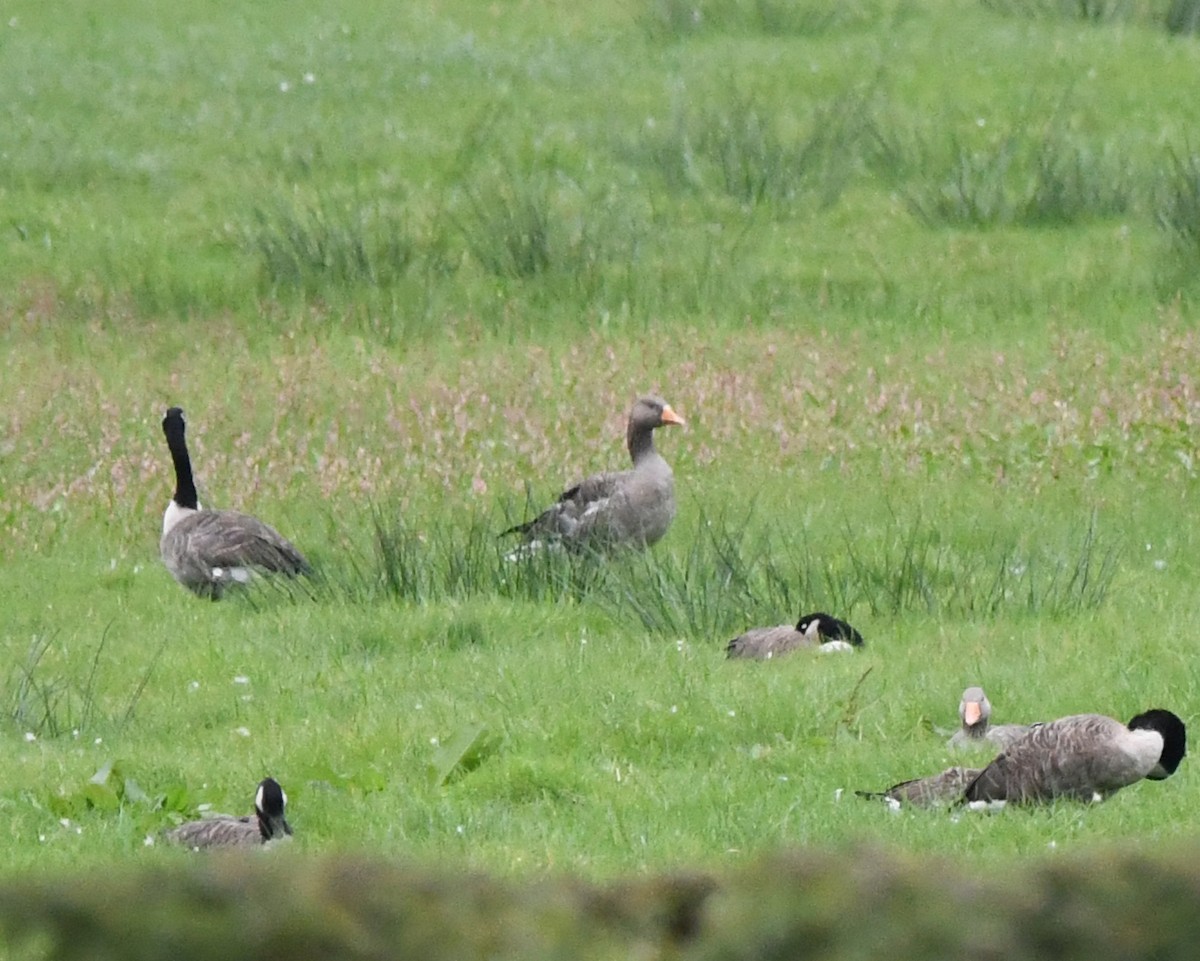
468 559
49 702
520 222
733 576
706 591
1183 17
330 245
748 151
1019 179
916 569
1089 11
676 19
1179 203
729 573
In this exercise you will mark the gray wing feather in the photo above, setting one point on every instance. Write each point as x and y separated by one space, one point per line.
207 540
223 831
944 788
762 643
230 539
996 736
631 507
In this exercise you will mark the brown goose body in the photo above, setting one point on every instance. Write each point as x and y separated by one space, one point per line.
631 508
975 712
1083 757
936 789
267 824
210 551
811 632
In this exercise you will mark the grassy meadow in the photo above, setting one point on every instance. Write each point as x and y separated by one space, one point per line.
921 277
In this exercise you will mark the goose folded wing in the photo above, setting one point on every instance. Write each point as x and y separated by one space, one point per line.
764 642
217 831
229 539
580 507
1072 757
943 788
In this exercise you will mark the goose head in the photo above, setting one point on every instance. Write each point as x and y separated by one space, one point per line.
826 627
270 803
648 414
1174 739
974 710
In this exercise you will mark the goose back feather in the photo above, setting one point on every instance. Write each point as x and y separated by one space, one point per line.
1084 757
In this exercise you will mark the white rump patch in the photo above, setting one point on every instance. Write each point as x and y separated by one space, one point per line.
239 575
532 549
833 647
988 807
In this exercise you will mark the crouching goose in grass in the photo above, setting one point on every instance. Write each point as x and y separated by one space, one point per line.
813 631
1086 757
208 551
975 712
631 508
945 788
267 824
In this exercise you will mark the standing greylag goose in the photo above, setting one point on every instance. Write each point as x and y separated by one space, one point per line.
811 631
631 508
208 551
975 711
1085 757
944 788
268 823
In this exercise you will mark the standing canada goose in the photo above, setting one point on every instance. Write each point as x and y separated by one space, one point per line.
207 551
631 508
811 631
268 823
1085 757
975 711
944 788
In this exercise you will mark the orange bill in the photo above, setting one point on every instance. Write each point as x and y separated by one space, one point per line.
670 417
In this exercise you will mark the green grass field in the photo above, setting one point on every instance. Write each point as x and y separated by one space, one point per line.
920 276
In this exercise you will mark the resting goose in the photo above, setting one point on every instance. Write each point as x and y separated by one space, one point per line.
944 788
208 551
1085 757
631 508
811 631
268 823
975 711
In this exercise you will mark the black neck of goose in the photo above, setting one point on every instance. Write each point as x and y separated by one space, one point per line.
185 487
272 827
640 441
